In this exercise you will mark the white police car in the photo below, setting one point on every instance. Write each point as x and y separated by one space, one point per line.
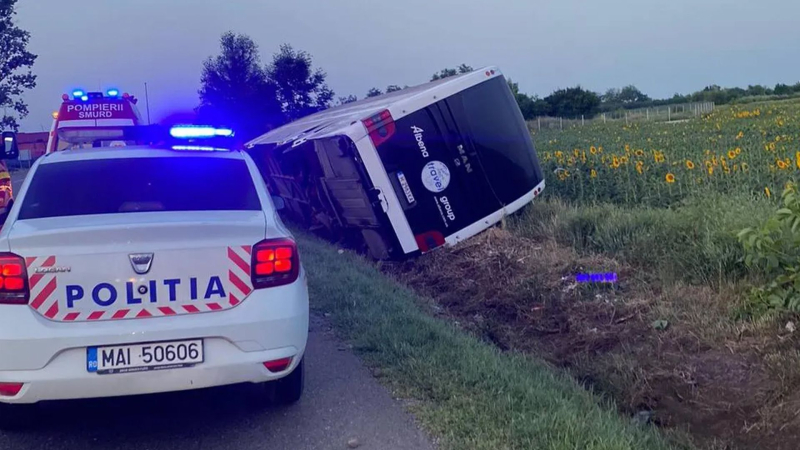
139 270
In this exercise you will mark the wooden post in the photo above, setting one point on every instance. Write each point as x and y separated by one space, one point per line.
539 122
604 117
582 121
561 123
626 117
647 111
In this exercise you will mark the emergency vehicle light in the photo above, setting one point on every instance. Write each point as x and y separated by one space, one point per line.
78 93
85 98
112 92
198 148
193 132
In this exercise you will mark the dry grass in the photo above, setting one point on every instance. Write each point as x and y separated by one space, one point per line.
728 383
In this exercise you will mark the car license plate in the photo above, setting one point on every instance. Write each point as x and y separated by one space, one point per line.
141 357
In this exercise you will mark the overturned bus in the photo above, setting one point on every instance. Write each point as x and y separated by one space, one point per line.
407 171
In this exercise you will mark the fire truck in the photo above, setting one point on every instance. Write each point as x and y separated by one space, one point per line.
93 119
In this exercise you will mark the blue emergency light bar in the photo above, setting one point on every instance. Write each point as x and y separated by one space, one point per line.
198 132
198 148
112 93
78 93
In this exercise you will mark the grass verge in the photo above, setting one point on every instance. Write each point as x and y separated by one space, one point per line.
694 242
472 395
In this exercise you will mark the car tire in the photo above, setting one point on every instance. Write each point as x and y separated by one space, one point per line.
16 417
288 389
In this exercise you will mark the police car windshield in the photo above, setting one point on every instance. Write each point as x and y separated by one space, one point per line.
125 185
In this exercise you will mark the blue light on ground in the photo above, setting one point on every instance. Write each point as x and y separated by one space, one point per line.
610 277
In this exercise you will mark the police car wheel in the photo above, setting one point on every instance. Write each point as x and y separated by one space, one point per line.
288 389
16 417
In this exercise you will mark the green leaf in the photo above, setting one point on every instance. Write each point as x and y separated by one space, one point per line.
775 300
660 324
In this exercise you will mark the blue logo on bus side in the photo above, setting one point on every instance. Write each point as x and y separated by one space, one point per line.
105 294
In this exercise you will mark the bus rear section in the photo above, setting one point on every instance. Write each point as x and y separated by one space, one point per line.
460 164
408 171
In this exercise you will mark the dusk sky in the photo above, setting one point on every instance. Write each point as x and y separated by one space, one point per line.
661 46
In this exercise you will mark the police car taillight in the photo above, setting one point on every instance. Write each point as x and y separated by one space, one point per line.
275 263
380 127
13 280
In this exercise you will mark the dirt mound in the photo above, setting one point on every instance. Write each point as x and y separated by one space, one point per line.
668 353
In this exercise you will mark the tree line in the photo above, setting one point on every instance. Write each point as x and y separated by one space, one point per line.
239 91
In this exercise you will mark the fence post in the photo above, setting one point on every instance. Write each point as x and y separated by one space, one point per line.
604 117
582 121
561 123
669 113
626 117
648 113
539 122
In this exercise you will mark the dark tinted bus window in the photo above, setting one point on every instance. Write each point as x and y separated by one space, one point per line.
501 138
110 186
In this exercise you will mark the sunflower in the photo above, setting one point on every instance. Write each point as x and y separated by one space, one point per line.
731 154
639 167
781 164
639 152
627 147
689 164
738 150
745 166
593 150
766 191
711 170
670 178
593 174
797 159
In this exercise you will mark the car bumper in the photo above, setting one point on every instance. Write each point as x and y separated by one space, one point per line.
50 358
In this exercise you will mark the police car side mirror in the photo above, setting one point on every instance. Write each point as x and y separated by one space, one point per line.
278 202
10 147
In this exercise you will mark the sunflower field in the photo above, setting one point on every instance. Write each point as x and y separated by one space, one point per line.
749 149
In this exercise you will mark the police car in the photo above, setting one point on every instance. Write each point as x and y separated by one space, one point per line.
148 269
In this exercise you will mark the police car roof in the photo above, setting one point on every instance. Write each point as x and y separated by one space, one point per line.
85 154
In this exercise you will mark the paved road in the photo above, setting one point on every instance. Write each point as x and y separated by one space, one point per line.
342 401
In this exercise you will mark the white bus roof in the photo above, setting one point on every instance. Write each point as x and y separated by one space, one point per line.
336 121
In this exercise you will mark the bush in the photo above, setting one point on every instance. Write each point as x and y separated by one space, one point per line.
774 247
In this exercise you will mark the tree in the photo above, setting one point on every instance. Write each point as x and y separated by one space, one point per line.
15 64
374 92
345 100
444 73
628 95
782 89
300 90
393 88
573 102
234 89
611 96
631 94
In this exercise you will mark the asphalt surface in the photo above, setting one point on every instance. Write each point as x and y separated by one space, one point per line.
342 401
